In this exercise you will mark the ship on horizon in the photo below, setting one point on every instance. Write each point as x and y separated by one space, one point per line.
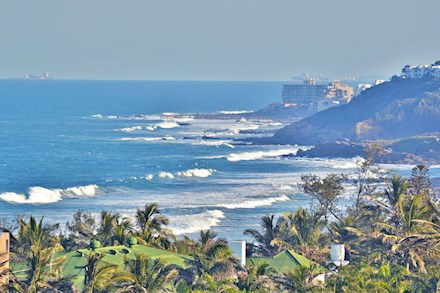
44 76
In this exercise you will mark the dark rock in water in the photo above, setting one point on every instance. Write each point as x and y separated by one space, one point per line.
183 123
188 137
209 137
288 156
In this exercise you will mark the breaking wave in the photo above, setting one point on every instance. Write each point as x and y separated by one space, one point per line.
101 116
199 173
41 195
167 175
250 204
353 164
216 143
163 125
260 155
147 138
190 173
184 224
130 129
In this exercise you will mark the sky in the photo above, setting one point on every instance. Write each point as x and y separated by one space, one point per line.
215 40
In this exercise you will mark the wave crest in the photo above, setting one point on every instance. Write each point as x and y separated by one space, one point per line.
259 155
200 173
163 125
41 195
250 204
147 138
185 224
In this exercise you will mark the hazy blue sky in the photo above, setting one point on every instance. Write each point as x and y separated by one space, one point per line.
215 40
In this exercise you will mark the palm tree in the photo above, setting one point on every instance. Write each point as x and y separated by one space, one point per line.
207 283
99 275
264 244
107 223
81 229
304 232
367 278
37 246
122 230
257 278
298 280
212 256
151 222
407 233
148 275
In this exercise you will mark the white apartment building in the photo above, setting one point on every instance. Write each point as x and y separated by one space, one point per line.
421 71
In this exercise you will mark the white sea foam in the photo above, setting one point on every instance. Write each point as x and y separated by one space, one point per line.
86 190
250 204
184 224
260 155
147 138
101 116
199 173
352 164
149 177
163 125
167 175
286 187
130 129
216 143
41 195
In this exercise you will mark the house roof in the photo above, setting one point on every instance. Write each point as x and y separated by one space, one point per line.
283 261
76 260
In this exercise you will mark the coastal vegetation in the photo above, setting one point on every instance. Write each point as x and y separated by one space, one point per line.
391 233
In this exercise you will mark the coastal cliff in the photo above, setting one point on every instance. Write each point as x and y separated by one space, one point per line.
389 113
392 110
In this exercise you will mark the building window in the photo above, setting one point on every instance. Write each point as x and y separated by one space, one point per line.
7 245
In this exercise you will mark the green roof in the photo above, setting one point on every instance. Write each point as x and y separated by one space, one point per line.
283 261
76 260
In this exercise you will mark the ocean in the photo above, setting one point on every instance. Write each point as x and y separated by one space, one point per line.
118 145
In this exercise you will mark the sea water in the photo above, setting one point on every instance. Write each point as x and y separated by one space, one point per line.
118 145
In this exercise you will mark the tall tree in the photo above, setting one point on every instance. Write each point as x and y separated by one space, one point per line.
148 275
263 241
324 192
38 244
152 227
100 276
212 255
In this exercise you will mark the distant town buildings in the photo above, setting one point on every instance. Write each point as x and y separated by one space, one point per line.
420 71
308 92
364 86
4 257
318 97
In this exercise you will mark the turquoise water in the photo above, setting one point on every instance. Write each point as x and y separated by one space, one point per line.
116 145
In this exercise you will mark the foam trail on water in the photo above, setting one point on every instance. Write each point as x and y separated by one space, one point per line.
41 195
193 223
250 204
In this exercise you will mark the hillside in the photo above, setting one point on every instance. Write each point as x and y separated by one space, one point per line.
396 109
